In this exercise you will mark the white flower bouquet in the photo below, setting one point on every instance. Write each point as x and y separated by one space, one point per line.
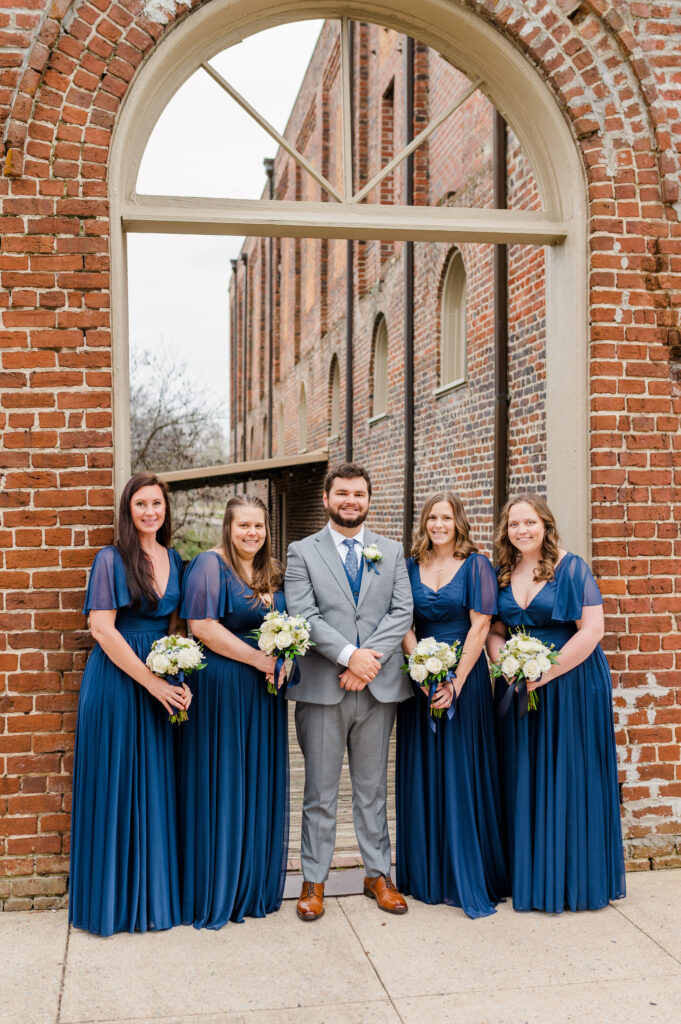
429 663
172 658
285 637
522 660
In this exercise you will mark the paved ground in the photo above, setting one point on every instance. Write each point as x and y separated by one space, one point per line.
357 965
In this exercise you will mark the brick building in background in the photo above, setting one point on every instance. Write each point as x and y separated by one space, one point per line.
69 71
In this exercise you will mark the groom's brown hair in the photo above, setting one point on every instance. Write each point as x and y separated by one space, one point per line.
346 471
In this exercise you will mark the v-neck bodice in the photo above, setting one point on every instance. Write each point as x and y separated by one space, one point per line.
445 613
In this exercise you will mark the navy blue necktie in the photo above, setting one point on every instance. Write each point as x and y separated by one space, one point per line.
351 563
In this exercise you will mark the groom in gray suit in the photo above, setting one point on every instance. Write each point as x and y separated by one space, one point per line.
353 588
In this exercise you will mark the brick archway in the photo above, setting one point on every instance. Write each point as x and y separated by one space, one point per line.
603 78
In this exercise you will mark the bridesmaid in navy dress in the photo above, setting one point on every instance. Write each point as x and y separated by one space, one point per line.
559 762
233 778
449 840
124 868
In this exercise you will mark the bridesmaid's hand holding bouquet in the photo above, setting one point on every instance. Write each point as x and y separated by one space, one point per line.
522 660
285 637
173 658
431 663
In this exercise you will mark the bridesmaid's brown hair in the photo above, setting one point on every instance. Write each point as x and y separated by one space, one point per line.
507 555
268 574
463 545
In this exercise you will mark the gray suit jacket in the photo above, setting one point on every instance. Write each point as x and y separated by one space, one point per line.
317 587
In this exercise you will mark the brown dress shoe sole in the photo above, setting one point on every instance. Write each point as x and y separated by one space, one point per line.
388 910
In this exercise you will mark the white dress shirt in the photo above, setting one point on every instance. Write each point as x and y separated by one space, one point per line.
343 551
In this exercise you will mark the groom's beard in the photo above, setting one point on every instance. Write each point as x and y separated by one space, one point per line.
347 521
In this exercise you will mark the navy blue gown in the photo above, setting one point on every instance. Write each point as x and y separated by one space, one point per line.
233 765
561 796
124 867
449 836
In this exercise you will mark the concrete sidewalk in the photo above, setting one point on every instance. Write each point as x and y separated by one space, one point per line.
358 965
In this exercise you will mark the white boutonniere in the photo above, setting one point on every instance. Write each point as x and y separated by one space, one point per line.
372 555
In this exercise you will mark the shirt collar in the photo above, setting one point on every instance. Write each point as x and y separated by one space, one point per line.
338 538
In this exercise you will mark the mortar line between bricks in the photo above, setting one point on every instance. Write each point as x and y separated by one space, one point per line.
63 973
620 911
371 962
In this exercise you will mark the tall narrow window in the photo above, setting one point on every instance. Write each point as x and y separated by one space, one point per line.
265 450
453 323
281 431
380 374
334 398
302 419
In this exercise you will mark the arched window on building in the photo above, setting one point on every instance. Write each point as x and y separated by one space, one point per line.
380 369
334 398
251 444
265 450
281 431
302 419
453 323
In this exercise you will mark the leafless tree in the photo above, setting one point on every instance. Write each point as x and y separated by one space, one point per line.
177 424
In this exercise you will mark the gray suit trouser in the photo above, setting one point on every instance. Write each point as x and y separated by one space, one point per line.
363 725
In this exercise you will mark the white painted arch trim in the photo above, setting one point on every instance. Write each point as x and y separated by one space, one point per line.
523 98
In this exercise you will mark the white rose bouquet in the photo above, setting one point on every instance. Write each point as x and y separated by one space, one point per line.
172 658
522 660
284 637
431 662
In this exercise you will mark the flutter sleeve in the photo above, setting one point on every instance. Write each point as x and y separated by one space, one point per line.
204 588
575 589
107 587
479 586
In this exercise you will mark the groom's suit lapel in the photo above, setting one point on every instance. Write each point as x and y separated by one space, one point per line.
329 553
367 573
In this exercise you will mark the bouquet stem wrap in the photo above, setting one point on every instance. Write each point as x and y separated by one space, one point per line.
177 680
451 710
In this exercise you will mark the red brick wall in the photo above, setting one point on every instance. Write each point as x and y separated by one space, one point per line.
64 69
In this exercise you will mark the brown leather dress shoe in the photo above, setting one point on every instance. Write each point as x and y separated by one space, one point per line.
311 902
382 889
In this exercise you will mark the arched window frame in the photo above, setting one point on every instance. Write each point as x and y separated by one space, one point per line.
334 399
302 418
530 109
453 368
379 370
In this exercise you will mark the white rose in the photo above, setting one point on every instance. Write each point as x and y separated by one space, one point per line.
525 646
418 673
434 666
283 639
510 666
162 665
186 658
531 670
544 663
448 658
267 643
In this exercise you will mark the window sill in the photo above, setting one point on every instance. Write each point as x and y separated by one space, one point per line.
446 389
333 439
377 419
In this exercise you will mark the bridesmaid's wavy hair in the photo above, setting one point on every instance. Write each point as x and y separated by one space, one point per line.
139 571
268 574
507 555
463 545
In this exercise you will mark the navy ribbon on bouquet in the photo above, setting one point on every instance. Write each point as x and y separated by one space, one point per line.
177 680
523 697
293 677
449 678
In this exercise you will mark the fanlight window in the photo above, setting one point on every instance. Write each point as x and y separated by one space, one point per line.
453 323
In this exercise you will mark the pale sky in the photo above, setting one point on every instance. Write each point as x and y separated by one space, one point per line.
204 145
